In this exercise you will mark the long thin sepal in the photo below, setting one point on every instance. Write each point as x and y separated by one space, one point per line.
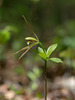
24 53
30 27
27 50
20 50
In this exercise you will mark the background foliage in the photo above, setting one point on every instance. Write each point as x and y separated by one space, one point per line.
53 22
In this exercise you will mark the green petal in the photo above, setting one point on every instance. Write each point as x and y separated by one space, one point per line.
57 60
28 42
30 39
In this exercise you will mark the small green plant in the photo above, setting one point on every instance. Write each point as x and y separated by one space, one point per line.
42 52
33 76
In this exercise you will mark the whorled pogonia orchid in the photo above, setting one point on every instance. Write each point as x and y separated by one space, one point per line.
44 54
31 41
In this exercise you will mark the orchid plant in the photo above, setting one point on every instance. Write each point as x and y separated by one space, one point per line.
42 52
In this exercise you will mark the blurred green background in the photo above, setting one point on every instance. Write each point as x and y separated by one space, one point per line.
52 20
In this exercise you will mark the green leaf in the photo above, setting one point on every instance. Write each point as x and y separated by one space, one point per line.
4 36
40 50
57 60
51 49
39 95
37 71
42 55
31 75
34 86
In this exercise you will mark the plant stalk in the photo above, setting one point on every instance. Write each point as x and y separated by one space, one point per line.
45 80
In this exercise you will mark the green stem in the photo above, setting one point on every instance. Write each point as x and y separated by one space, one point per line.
45 80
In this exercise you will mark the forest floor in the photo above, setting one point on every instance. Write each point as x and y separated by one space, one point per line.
18 87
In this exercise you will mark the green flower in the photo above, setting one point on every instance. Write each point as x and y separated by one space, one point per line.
31 41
